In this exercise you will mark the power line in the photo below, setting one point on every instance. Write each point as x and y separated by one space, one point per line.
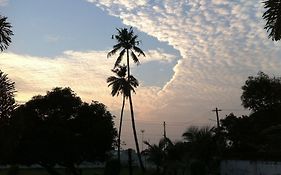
157 121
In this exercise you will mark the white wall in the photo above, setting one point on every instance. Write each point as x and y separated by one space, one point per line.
244 167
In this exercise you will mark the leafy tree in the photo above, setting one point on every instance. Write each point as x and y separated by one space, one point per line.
239 133
7 101
128 43
261 92
120 84
256 136
272 15
5 33
59 129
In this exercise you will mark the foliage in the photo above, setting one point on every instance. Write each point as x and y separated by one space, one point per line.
121 84
7 101
157 152
261 92
5 33
58 129
201 142
256 136
197 149
272 15
126 41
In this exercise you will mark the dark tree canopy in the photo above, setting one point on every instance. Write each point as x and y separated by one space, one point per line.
7 101
256 136
5 33
261 92
59 129
272 16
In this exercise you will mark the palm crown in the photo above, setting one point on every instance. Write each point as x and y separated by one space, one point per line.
120 83
126 41
272 15
5 33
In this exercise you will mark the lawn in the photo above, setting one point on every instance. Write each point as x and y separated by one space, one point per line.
85 171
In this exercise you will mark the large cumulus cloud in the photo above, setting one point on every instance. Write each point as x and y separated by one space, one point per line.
221 43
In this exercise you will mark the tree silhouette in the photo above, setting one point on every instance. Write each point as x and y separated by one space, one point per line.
272 15
7 101
128 43
261 92
120 84
59 129
157 153
256 136
201 143
5 33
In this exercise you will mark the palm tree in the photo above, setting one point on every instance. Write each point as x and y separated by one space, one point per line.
201 143
272 15
128 43
157 153
120 85
5 33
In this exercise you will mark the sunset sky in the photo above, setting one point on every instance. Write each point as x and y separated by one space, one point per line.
198 55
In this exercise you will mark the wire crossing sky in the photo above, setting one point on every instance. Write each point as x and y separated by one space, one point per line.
198 54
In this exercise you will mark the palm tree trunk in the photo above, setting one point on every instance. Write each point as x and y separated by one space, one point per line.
133 118
120 128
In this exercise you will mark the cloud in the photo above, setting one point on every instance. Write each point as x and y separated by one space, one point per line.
221 43
4 2
127 4
158 55
84 72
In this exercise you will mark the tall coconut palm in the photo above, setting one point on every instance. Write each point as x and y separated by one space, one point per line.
127 43
5 33
121 85
272 15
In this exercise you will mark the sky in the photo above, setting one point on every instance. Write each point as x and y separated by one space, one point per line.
198 55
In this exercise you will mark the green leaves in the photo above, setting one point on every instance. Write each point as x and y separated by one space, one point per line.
272 15
5 33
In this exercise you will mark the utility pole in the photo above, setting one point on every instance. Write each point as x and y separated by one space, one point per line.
218 120
164 125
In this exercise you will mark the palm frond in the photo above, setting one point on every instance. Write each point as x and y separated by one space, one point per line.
135 58
111 79
112 52
138 50
147 143
5 33
115 89
119 59
133 81
273 18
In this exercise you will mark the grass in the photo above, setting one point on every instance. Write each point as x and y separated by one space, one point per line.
85 171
